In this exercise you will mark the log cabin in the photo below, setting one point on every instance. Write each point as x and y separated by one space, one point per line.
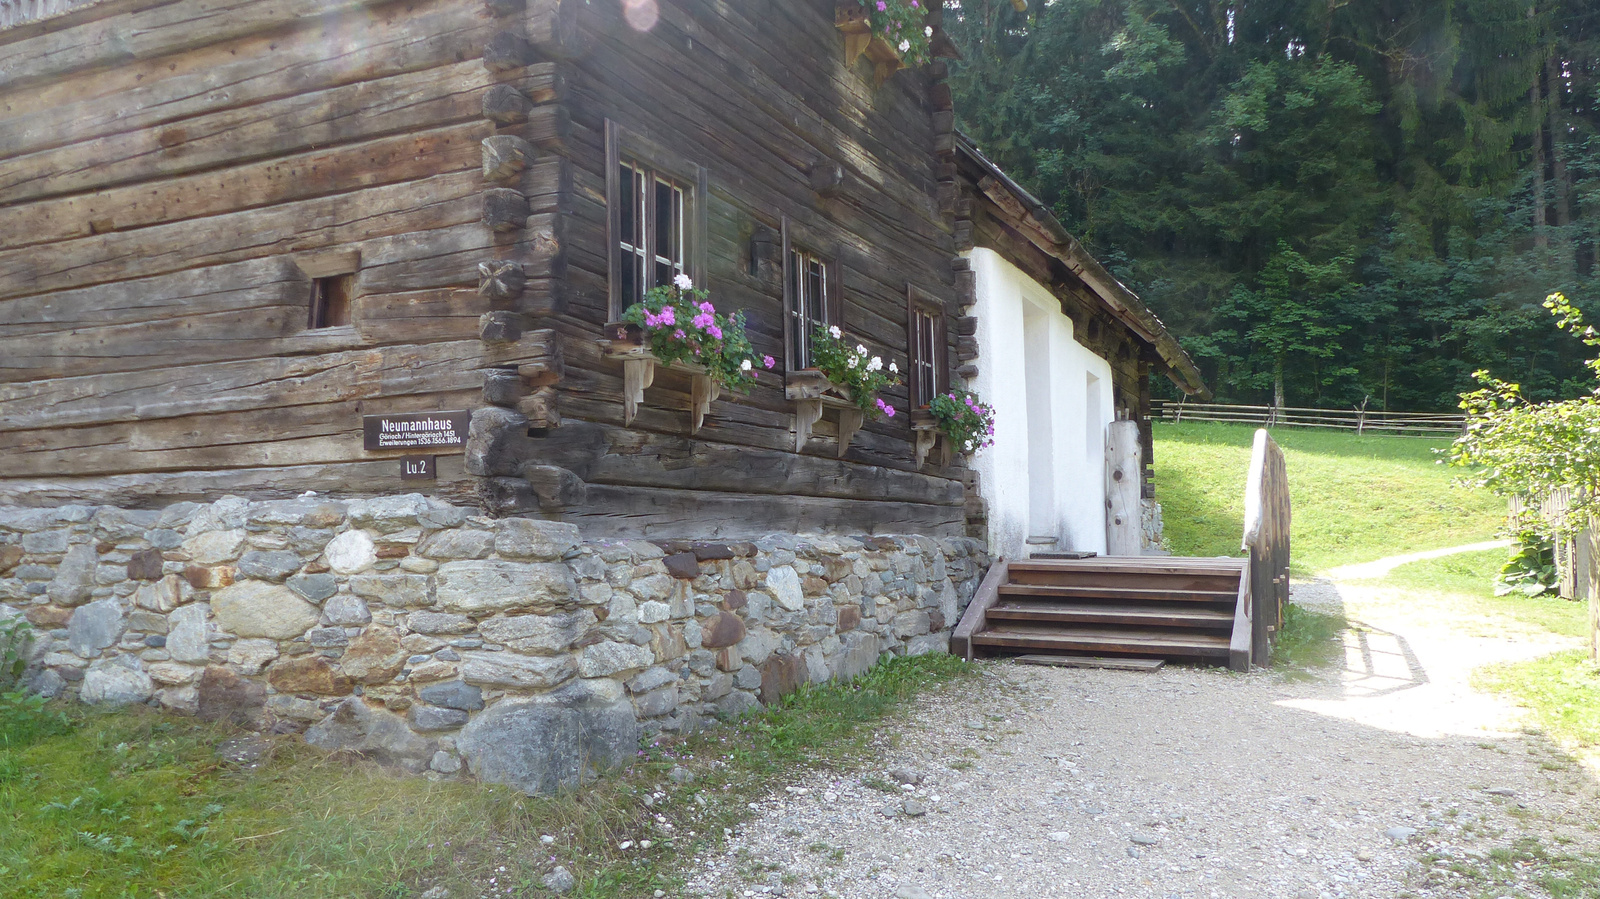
370 247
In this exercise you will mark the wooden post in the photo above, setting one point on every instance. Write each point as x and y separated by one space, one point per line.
1124 528
1586 562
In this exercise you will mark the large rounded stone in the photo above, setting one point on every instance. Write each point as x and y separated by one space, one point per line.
116 682
257 609
351 552
784 585
550 743
375 656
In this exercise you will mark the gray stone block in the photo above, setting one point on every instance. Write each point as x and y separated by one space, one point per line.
550 743
355 726
314 587
268 566
453 695
427 718
96 626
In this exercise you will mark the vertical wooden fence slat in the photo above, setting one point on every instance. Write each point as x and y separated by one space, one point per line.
1266 538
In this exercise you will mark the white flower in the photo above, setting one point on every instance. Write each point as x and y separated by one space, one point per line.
904 46
684 282
875 364
835 332
928 31
745 365
861 351
851 362
894 369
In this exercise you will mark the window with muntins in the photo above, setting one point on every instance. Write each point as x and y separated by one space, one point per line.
651 232
811 296
925 341
657 217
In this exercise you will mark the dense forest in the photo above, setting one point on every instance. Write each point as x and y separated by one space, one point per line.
1326 199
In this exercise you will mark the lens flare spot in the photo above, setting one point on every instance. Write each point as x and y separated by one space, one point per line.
642 15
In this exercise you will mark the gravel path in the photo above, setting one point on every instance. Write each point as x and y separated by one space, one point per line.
1053 782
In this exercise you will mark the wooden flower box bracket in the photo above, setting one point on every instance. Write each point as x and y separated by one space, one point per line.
927 433
812 392
860 38
626 344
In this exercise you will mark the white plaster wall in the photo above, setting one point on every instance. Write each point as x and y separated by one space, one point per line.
1066 430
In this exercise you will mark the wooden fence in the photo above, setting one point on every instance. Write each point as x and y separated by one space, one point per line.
1577 558
1360 420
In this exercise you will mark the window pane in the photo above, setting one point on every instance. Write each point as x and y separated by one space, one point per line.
628 223
664 220
816 302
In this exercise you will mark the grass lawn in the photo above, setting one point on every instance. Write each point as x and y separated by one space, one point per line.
138 804
1355 498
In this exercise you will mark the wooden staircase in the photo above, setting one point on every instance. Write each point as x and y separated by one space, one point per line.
1136 607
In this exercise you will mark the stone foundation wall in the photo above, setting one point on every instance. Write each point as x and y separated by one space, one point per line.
1150 526
428 636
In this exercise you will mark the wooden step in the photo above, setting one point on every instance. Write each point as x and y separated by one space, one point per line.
1156 565
1092 662
1095 640
1060 612
1207 578
1119 594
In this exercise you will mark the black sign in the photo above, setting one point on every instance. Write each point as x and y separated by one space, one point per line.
415 430
419 468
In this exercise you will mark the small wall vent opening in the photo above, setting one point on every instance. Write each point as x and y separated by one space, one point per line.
330 300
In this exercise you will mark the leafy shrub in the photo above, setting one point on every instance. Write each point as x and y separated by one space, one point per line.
1531 570
27 718
16 635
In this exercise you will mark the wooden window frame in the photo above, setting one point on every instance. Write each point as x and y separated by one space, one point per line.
331 293
799 241
656 162
923 341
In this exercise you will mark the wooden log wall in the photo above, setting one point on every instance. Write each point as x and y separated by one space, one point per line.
761 97
167 170
165 173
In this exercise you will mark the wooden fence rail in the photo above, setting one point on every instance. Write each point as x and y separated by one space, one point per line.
1403 424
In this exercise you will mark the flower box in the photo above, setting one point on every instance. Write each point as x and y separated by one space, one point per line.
812 392
860 38
625 341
